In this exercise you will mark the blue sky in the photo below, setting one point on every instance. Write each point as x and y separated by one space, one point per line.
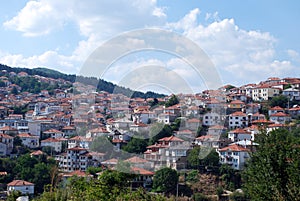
248 41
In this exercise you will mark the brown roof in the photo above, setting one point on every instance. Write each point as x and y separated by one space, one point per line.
262 121
238 113
27 135
276 108
20 183
50 140
52 131
136 159
279 114
171 138
141 171
37 153
8 128
233 147
240 130
5 136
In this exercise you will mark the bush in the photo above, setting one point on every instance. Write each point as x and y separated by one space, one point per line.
200 197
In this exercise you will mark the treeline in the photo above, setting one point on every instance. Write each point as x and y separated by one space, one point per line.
38 170
101 84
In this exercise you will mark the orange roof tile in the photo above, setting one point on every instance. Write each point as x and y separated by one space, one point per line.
20 183
234 147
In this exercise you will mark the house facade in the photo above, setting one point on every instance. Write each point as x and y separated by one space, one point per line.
24 187
234 155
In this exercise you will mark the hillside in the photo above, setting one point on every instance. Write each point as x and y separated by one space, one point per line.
102 85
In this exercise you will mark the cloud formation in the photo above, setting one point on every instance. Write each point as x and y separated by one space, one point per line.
241 56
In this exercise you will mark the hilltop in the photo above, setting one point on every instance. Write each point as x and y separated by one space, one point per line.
101 84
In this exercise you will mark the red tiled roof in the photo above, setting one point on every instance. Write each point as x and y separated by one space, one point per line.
171 138
238 113
50 140
240 130
37 153
276 108
262 121
237 102
279 114
8 128
141 171
28 135
234 147
136 159
5 136
20 183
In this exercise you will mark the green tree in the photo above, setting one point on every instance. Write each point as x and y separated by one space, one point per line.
101 144
172 101
273 173
136 145
158 131
14 90
165 180
14 195
193 158
279 101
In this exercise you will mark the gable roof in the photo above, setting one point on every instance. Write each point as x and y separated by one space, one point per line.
20 183
136 159
234 147
238 113
171 139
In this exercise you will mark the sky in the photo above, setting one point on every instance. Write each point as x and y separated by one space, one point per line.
242 41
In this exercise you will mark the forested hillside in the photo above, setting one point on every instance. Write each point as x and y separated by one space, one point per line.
101 84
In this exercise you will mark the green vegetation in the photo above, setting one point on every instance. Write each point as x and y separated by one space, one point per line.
273 172
136 145
37 170
31 84
109 186
165 180
172 101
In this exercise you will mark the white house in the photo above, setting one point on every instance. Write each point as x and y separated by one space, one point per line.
264 92
28 140
24 187
234 155
239 134
294 111
56 144
280 118
238 120
292 94
275 110
211 119
166 118
76 158
6 144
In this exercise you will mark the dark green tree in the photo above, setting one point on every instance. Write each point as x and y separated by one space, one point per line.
172 101
14 90
101 144
136 145
165 180
158 131
281 101
193 158
273 173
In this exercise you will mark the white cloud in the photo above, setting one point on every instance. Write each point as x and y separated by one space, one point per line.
92 17
49 59
246 56
36 18
240 55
